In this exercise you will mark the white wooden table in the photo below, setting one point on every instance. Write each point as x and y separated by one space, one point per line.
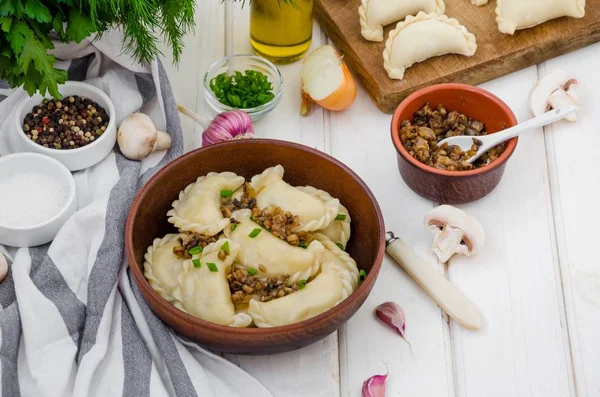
537 281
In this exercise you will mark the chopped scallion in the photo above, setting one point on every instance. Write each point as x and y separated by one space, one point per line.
252 271
255 232
196 250
225 247
361 276
340 246
301 284
303 244
196 262
340 217
233 226
212 267
226 193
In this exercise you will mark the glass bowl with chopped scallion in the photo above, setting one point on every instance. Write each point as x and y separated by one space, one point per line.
247 82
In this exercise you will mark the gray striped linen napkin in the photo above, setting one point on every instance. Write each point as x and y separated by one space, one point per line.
73 322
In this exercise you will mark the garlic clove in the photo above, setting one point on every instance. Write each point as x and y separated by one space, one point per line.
391 314
374 386
3 267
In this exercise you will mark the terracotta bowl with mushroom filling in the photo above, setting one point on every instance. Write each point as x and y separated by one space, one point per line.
303 166
450 186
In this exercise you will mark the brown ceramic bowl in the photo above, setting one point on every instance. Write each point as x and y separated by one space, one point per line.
303 166
454 186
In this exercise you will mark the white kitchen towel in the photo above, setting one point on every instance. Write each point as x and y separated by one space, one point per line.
73 322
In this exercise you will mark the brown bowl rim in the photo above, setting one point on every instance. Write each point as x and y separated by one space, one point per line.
145 286
510 148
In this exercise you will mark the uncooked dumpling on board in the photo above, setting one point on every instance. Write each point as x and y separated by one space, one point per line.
329 288
479 3
375 14
424 36
512 15
277 257
162 267
203 290
312 212
198 208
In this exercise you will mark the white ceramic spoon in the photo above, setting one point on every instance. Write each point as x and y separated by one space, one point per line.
489 141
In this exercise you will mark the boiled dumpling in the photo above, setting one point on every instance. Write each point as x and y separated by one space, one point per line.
260 247
312 212
520 14
333 254
424 36
199 206
162 267
375 14
204 291
329 288
338 230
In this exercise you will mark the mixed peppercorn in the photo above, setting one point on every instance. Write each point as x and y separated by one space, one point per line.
68 123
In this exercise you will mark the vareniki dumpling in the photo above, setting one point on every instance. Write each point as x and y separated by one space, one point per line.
204 291
375 14
328 289
162 267
333 254
338 230
521 14
199 206
424 36
312 212
260 247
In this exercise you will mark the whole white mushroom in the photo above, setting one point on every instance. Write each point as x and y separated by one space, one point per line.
138 137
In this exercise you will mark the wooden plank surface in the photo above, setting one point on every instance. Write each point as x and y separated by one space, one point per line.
497 54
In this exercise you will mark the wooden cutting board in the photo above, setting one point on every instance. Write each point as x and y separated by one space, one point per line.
497 54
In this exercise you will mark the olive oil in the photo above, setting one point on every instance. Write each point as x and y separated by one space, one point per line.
280 31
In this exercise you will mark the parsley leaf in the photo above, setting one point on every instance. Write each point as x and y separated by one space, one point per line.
80 26
36 10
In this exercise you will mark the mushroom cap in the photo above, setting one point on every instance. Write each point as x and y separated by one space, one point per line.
473 235
557 79
137 136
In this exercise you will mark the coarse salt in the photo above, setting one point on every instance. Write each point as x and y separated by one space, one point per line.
30 198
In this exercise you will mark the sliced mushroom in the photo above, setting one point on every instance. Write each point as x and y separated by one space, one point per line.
454 232
555 90
3 267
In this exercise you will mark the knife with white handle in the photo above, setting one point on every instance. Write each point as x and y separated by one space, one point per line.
442 291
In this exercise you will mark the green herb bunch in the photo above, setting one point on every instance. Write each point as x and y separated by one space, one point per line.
26 26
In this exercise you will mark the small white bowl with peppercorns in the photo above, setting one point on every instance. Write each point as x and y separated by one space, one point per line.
79 130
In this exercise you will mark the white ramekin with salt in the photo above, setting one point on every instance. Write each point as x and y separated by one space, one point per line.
37 196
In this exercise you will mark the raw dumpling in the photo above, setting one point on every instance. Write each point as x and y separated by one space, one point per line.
338 230
328 289
204 293
199 206
312 212
479 3
162 267
333 254
519 14
276 255
422 37
375 14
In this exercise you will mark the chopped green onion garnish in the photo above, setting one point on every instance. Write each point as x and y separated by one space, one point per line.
252 271
196 262
301 284
254 232
340 246
303 244
212 267
225 247
233 226
340 217
361 276
196 250
226 193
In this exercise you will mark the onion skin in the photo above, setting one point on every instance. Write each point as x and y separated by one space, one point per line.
343 97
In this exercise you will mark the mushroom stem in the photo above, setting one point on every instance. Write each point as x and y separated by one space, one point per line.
446 242
163 141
